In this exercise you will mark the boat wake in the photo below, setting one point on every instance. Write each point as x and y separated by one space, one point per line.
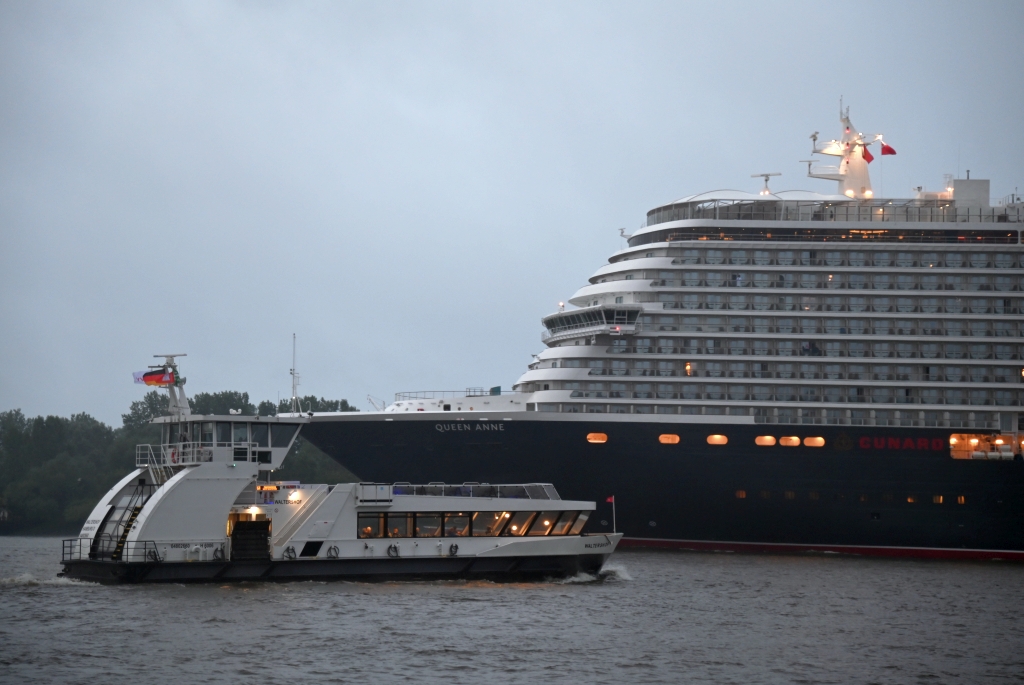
28 580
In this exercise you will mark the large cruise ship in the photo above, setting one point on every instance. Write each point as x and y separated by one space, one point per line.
764 371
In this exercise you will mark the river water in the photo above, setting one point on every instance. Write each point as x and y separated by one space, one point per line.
656 617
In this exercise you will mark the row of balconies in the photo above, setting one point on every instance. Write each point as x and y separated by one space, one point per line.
764 303
855 259
842 282
1011 376
814 394
830 348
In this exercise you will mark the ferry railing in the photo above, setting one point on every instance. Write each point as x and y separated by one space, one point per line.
175 454
538 491
78 549
445 394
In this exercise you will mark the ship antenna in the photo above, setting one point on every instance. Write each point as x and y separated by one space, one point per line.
766 190
295 381
178 401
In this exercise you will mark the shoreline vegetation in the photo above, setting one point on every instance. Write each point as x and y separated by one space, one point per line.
54 469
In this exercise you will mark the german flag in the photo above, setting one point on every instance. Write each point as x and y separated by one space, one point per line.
160 379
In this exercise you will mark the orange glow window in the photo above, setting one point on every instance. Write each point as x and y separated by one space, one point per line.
668 439
717 440
910 500
741 494
789 441
597 437
789 494
961 499
814 442
765 440
936 499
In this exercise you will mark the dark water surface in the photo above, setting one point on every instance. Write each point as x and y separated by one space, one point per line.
658 617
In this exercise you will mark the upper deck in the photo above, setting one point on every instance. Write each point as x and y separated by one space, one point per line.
804 216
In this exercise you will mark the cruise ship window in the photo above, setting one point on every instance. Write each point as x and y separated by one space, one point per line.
762 257
856 258
930 259
882 259
808 371
857 371
858 304
714 257
713 369
904 327
881 304
1005 261
789 441
834 258
690 257
883 327
834 326
738 257
979 260
833 371
929 305
785 258
904 259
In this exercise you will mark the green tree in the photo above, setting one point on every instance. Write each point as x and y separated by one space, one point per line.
222 403
154 403
314 404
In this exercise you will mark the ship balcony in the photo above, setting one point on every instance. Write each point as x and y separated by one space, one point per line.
175 454
582 330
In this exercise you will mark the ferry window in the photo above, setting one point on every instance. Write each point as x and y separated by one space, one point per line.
543 523
564 523
519 523
489 523
765 440
207 434
399 525
580 522
936 499
910 499
597 437
281 434
741 494
240 432
812 495
789 441
371 525
814 442
428 525
960 499
766 494
717 440
456 525
261 434
668 439
223 434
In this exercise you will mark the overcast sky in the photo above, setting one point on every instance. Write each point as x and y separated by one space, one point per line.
410 187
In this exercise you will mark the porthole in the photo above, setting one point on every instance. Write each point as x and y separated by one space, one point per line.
597 437
812 495
765 440
960 499
741 494
910 499
668 439
789 441
717 440
789 494
814 442
936 499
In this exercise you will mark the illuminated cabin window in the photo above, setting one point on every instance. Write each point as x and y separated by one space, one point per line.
814 442
668 439
789 494
910 499
812 495
766 494
960 499
717 440
765 440
936 499
741 494
597 437
789 441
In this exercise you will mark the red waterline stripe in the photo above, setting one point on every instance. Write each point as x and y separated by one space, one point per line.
861 550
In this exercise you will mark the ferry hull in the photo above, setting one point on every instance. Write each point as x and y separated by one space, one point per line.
450 568
873 490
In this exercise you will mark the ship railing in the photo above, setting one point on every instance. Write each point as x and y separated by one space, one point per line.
174 454
445 394
539 491
79 549
576 329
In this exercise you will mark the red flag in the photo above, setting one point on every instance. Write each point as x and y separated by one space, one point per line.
868 157
887 150
611 499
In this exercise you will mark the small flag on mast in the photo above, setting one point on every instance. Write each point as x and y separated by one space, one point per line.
611 499
887 149
868 157
160 379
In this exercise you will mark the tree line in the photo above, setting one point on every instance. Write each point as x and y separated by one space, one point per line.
54 469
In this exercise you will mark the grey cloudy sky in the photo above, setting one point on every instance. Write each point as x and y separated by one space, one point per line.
409 187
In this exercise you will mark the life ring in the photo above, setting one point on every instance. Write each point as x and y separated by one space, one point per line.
218 554
152 555
332 552
393 551
174 455
453 550
289 553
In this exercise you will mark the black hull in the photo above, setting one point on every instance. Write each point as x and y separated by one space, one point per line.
870 490
492 568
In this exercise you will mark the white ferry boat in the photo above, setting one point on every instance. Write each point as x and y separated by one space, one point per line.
203 506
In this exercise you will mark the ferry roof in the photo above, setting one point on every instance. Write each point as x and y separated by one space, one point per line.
741 196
